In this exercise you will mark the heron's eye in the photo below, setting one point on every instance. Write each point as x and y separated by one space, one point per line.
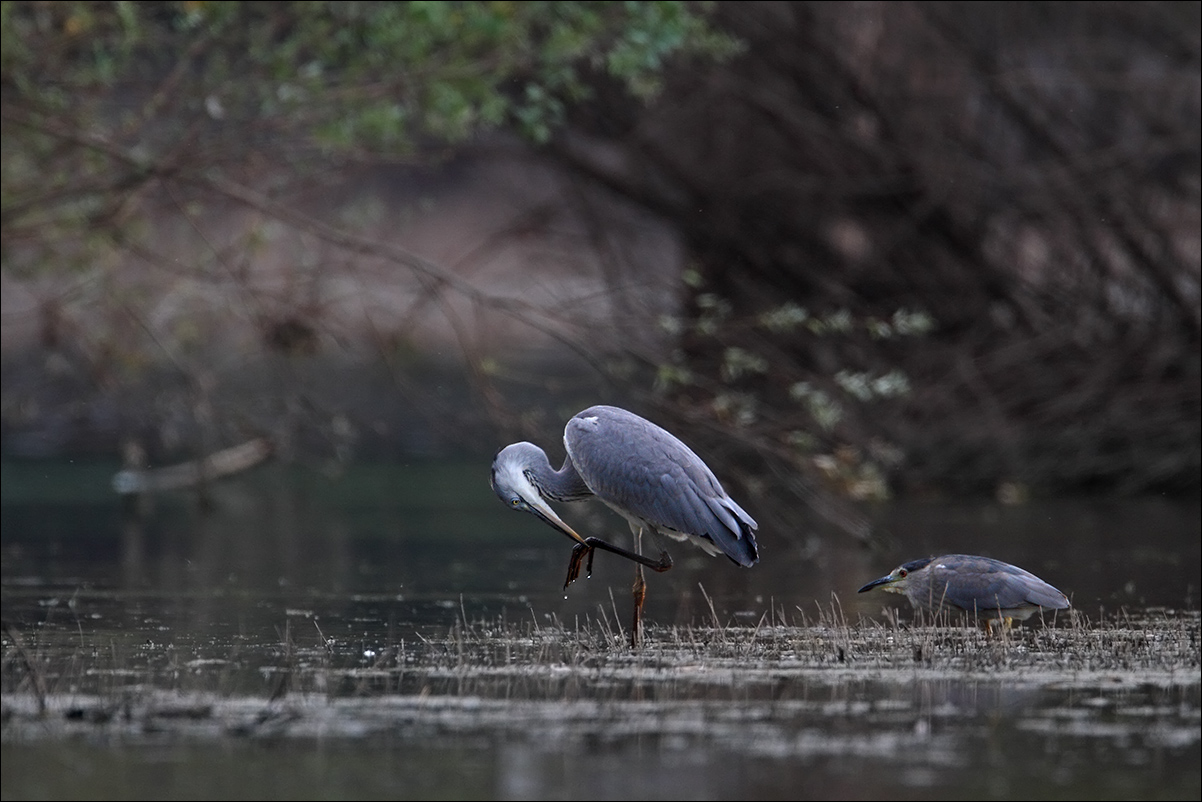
901 572
517 502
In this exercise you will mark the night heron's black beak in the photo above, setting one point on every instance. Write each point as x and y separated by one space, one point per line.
885 580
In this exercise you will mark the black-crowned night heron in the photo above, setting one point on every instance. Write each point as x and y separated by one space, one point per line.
989 590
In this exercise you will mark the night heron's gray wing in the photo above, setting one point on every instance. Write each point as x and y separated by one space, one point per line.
645 472
981 583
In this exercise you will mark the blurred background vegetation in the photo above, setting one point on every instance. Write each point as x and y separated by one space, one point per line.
847 250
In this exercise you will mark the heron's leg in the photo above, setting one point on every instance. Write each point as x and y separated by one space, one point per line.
640 592
591 544
998 626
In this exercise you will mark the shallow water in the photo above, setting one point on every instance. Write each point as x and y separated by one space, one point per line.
400 634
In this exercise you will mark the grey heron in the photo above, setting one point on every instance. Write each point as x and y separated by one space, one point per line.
990 590
641 471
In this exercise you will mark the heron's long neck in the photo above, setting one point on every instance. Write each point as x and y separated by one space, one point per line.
562 485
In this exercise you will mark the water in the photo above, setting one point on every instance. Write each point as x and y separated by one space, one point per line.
397 633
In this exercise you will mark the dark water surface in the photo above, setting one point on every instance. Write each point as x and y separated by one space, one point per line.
397 633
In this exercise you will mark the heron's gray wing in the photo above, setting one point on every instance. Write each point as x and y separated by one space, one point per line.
644 471
987 584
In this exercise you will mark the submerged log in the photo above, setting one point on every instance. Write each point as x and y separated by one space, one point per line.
194 472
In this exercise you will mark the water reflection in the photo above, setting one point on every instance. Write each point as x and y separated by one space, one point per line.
360 606
425 533
923 736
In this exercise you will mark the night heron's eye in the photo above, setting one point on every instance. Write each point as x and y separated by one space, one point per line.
901 572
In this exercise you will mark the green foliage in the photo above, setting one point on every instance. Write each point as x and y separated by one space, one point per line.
739 370
102 97
864 386
352 74
743 366
738 362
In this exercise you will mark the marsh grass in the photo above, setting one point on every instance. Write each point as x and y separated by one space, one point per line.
926 707
780 655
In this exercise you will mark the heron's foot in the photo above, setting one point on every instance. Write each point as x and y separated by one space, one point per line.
589 547
665 562
578 553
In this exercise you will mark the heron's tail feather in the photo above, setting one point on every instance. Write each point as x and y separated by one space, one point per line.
737 535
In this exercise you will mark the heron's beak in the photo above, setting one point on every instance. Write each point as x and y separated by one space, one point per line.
548 516
885 580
